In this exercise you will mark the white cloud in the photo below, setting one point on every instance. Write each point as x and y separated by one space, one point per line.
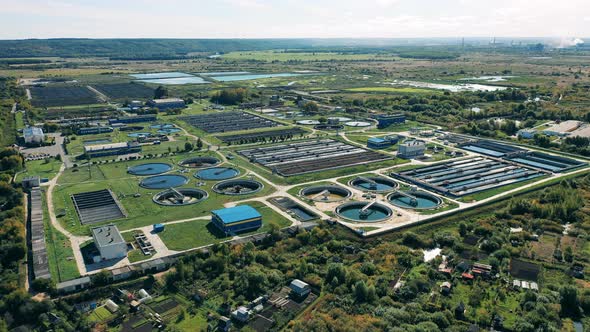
293 18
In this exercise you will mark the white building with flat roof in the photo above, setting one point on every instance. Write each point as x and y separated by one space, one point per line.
109 242
411 149
33 135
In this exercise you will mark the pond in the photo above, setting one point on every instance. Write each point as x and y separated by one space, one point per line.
176 81
450 87
172 74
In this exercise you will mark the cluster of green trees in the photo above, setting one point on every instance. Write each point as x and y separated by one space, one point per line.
230 96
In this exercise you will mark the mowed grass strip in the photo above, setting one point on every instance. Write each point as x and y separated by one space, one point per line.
60 255
46 168
198 233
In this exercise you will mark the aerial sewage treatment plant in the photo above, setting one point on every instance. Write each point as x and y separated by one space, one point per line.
199 162
238 187
149 169
364 211
326 193
180 197
217 173
375 184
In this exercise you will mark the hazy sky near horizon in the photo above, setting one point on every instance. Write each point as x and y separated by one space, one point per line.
293 18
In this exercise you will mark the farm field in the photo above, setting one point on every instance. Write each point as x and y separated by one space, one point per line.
123 91
51 96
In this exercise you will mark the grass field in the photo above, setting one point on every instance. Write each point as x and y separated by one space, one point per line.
141 210
59 251
100 314
270 56
19 120
197 233
46 168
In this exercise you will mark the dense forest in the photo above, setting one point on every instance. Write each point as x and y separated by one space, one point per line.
356 279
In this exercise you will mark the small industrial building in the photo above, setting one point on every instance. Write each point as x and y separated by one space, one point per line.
73 285
386 120
31 182
109 242
168 103
94 130
113 149
411 149
241 314
134 119
33 135
236 219
563 128
526 133
382 142
121 273
300 288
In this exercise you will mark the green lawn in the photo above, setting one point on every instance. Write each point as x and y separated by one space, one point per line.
141 210
19 120
46 168
193 234
59 251
100 314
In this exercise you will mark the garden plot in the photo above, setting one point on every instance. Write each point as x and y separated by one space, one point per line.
45 96
125 90
311 156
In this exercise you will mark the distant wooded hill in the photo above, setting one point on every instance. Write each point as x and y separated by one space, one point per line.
157 49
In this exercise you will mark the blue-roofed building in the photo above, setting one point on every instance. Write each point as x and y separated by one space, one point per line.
386 120
242 218
382 142
299 288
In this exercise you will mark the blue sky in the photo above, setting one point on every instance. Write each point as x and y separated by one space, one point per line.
293 18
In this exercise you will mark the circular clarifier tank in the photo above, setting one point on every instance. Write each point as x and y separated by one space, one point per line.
137 135
358 124
238 187
415 200
199 162
149 169
364 211
180 197
163 126
168 131
164 181
327 193
217 173
339 118
373 183
308 122
328 127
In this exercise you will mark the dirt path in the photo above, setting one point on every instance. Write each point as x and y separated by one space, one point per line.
75 241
